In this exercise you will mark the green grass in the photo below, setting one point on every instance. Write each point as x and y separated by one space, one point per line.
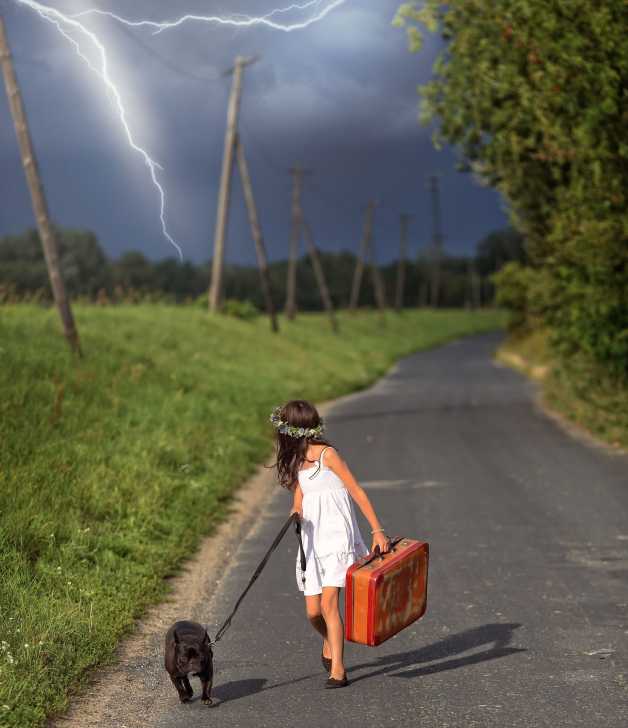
580 391
112 467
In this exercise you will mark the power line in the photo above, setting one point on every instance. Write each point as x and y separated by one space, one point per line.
167 62
261 151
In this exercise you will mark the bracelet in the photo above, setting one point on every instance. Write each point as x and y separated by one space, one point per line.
377 530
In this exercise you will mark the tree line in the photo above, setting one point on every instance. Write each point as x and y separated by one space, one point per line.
90 275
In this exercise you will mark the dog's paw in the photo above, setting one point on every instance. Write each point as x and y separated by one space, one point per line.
207 701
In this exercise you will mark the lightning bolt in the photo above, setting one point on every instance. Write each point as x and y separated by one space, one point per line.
63 24
68 24
242 21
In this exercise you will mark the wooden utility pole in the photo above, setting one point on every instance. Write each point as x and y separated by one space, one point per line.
437 242
295 236
421 264
256 232
320 276
362 255
423 294
235 149
367 253
423 272
40 208
477 287
299 225
401 267
222 216
473 290
376 274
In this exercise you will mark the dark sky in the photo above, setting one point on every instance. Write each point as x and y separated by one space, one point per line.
338 97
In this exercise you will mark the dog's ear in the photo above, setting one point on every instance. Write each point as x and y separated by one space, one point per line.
176 637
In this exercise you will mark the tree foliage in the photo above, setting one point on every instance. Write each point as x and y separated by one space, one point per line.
535 95
83 264
499 247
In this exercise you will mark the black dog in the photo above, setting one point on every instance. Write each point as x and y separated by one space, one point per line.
188 649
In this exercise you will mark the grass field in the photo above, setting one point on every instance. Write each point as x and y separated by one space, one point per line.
112 467
582 393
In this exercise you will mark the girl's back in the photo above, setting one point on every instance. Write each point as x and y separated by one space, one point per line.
319 477
331 535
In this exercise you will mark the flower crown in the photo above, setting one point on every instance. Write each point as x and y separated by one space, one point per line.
287 429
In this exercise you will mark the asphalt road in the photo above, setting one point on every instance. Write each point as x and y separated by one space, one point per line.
527 619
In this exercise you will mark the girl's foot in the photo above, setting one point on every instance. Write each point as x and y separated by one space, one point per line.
333 682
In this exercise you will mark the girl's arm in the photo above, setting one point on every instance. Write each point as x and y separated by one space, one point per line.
297 500
338 465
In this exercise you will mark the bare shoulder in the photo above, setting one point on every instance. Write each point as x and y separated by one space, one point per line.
314 451
334 461
332 456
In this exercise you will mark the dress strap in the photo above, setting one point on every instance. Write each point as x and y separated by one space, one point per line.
320 463
320 457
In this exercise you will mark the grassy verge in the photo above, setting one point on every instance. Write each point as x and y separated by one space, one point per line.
113 467
576 390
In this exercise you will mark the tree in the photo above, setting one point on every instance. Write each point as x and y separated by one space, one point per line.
134 270
534 94
179 280
83 264
498 248
87 271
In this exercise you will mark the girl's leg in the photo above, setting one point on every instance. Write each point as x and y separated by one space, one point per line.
335 629
314 614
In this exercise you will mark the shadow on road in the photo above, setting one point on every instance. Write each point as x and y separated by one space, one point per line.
497 635
237 689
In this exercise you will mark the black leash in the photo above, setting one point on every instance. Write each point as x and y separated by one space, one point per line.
297 527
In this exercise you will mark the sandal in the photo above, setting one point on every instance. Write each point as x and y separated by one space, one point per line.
326 662
332 682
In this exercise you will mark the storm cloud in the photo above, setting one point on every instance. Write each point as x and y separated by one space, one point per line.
339 97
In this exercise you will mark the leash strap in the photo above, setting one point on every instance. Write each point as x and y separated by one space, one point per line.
293 518
297 530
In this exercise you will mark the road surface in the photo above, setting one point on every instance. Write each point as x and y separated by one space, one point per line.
528 587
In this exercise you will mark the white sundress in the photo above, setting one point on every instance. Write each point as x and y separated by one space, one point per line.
329 529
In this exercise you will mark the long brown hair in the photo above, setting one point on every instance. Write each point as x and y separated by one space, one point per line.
291 451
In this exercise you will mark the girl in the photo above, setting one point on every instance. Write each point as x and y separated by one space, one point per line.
331 537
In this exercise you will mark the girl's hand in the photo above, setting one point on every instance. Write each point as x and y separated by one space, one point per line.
381 539
297 510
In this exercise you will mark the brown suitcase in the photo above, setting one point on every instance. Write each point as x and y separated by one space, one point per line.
386 592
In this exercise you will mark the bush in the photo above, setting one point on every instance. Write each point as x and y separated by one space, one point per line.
512 288
240 309
592 318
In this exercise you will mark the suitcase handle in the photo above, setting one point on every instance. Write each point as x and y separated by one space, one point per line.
376 551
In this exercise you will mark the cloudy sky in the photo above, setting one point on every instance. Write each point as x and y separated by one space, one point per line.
338 97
